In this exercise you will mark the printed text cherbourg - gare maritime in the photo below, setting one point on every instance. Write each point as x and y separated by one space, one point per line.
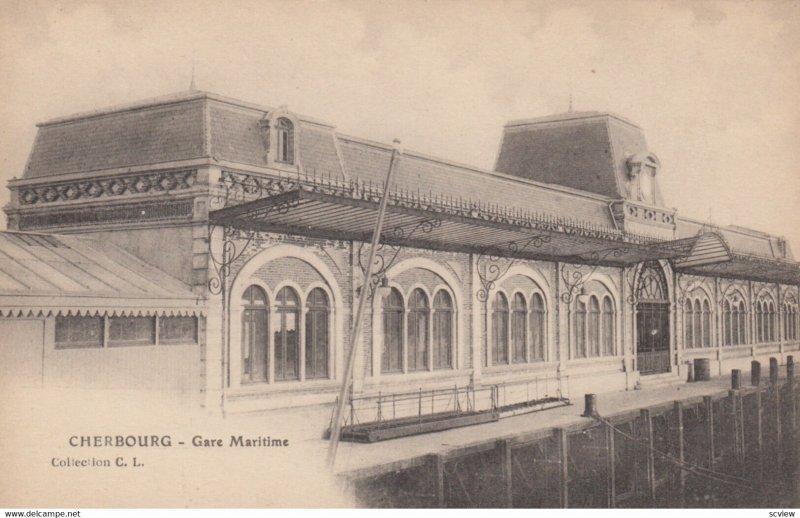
166 441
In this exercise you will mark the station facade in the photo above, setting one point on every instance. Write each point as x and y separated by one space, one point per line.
562 268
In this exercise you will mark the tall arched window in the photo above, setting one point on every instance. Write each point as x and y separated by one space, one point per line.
771 321
608 327
392 360
255 329
790 320
727 319
418 313
759 310
500 330
537 327
519 331
594 326
317 334
285 141
735 324
698 324
688 319
742 314
442 331
706 324
580 329
286 339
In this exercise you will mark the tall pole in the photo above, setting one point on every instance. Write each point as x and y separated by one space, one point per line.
336 430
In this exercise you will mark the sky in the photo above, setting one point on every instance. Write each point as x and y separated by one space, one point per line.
714 85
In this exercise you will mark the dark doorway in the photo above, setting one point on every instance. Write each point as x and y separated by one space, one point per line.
652 322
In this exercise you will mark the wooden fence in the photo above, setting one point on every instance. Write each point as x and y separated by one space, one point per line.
730 450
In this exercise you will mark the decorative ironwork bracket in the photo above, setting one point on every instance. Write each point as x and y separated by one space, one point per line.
231 251
684 292
386 254
493 262
582 272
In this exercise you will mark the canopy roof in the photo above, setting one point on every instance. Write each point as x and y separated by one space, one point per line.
348 210
46 273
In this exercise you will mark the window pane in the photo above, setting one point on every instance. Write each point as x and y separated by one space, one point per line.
317 335
726 319
519 338
537 327
500 330
442 331
254 296
706 324
78 332
698 324
254 345
608 327
687 324
392 332
580 330
131 331
742 315
594 327
177 330
417 340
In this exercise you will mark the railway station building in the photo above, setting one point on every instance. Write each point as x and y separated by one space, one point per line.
206 246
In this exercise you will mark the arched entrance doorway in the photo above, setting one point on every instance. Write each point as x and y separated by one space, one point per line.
652 321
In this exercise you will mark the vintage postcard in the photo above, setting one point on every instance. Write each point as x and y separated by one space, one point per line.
524 254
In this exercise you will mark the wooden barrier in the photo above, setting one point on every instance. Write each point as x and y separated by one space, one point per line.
748 438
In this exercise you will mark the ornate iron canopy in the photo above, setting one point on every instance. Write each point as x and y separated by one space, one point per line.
332 209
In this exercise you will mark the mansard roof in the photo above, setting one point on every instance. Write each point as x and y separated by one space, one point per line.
573 170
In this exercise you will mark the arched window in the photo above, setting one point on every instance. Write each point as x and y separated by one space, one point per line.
706 324
286 339
727 319
500 330
519 332
537 327
742 318
392 360
608 327
789 321
759 322
285 141
698 324
771 325
594 326
442 331
418 313
255 329
580 329
317 334
688 310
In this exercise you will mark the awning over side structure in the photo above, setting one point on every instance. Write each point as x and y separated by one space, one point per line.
337 210
43 274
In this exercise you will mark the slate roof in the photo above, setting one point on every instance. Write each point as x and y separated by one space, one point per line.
582 150
570 165
48 272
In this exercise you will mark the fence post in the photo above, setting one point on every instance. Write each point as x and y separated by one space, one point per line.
760 433
611 457
437 467
563 457
708 404
647 421
680 453
504 452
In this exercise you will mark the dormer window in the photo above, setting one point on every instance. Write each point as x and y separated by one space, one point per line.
284 132
642 170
